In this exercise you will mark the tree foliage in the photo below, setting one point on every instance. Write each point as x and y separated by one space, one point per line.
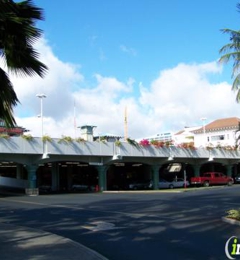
18 33
231 51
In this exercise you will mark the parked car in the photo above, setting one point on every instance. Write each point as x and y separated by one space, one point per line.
140 185
45 188
176 183
82 187
212 178
237 178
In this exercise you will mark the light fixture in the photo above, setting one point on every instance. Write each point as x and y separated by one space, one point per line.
41 96
210 159
117 157
96 163
45 156
204 129
119 164
171 156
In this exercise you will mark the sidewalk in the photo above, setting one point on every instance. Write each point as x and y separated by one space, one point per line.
20 243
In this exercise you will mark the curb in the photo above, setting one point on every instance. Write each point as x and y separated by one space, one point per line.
142 191
175 190
231 221
20 242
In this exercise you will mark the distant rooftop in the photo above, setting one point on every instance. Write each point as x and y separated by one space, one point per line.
220 124
108 135
188 130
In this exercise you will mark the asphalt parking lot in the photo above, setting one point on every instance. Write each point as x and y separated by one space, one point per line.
133 225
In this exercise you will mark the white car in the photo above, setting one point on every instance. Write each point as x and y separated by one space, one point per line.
45 188
82 187
140 185
178 183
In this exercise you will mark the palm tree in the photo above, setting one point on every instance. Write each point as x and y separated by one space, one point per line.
237 136
232 51
18 33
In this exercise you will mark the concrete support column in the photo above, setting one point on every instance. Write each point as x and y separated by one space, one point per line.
229 170
32 176
69 178
155 176
19 171
235 169
196 170
212 167
55 177
102 177
45 147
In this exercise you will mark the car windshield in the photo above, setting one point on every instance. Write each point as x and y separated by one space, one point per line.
162 180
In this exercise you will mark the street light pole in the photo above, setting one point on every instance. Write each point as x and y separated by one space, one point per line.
204 129
41 96
185 176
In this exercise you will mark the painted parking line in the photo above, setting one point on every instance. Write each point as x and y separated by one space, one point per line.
41 204
23 201
100 226
133 215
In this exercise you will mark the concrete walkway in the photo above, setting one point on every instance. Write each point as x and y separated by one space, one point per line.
20 243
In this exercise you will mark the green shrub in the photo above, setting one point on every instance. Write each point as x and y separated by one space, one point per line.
132 142
65 139
233 213
4 136
118 143
46 138
27 137
80 140
103 139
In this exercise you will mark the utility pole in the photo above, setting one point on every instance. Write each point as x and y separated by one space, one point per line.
125 125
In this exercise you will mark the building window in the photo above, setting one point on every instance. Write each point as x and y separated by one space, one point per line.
218 138
2 123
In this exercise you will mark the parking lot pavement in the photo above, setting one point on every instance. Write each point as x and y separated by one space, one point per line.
20 243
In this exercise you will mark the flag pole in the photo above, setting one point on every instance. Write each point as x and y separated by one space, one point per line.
125 125
74 119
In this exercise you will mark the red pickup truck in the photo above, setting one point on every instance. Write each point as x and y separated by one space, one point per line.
212 178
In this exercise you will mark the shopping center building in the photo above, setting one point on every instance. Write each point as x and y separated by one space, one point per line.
60 164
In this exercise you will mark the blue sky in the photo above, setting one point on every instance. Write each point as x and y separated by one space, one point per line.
157 58
137 38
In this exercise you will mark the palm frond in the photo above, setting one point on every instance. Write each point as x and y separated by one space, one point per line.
17 35
236 83
227 30
232 51
238 96
25 62
235 56
8 99
229 47
28 9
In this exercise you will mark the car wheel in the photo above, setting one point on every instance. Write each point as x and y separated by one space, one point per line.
135 187
206 184
230 183
170 186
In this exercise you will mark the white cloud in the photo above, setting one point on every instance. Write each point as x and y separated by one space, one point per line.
102 55
128 50
182 95
178 97
58 84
